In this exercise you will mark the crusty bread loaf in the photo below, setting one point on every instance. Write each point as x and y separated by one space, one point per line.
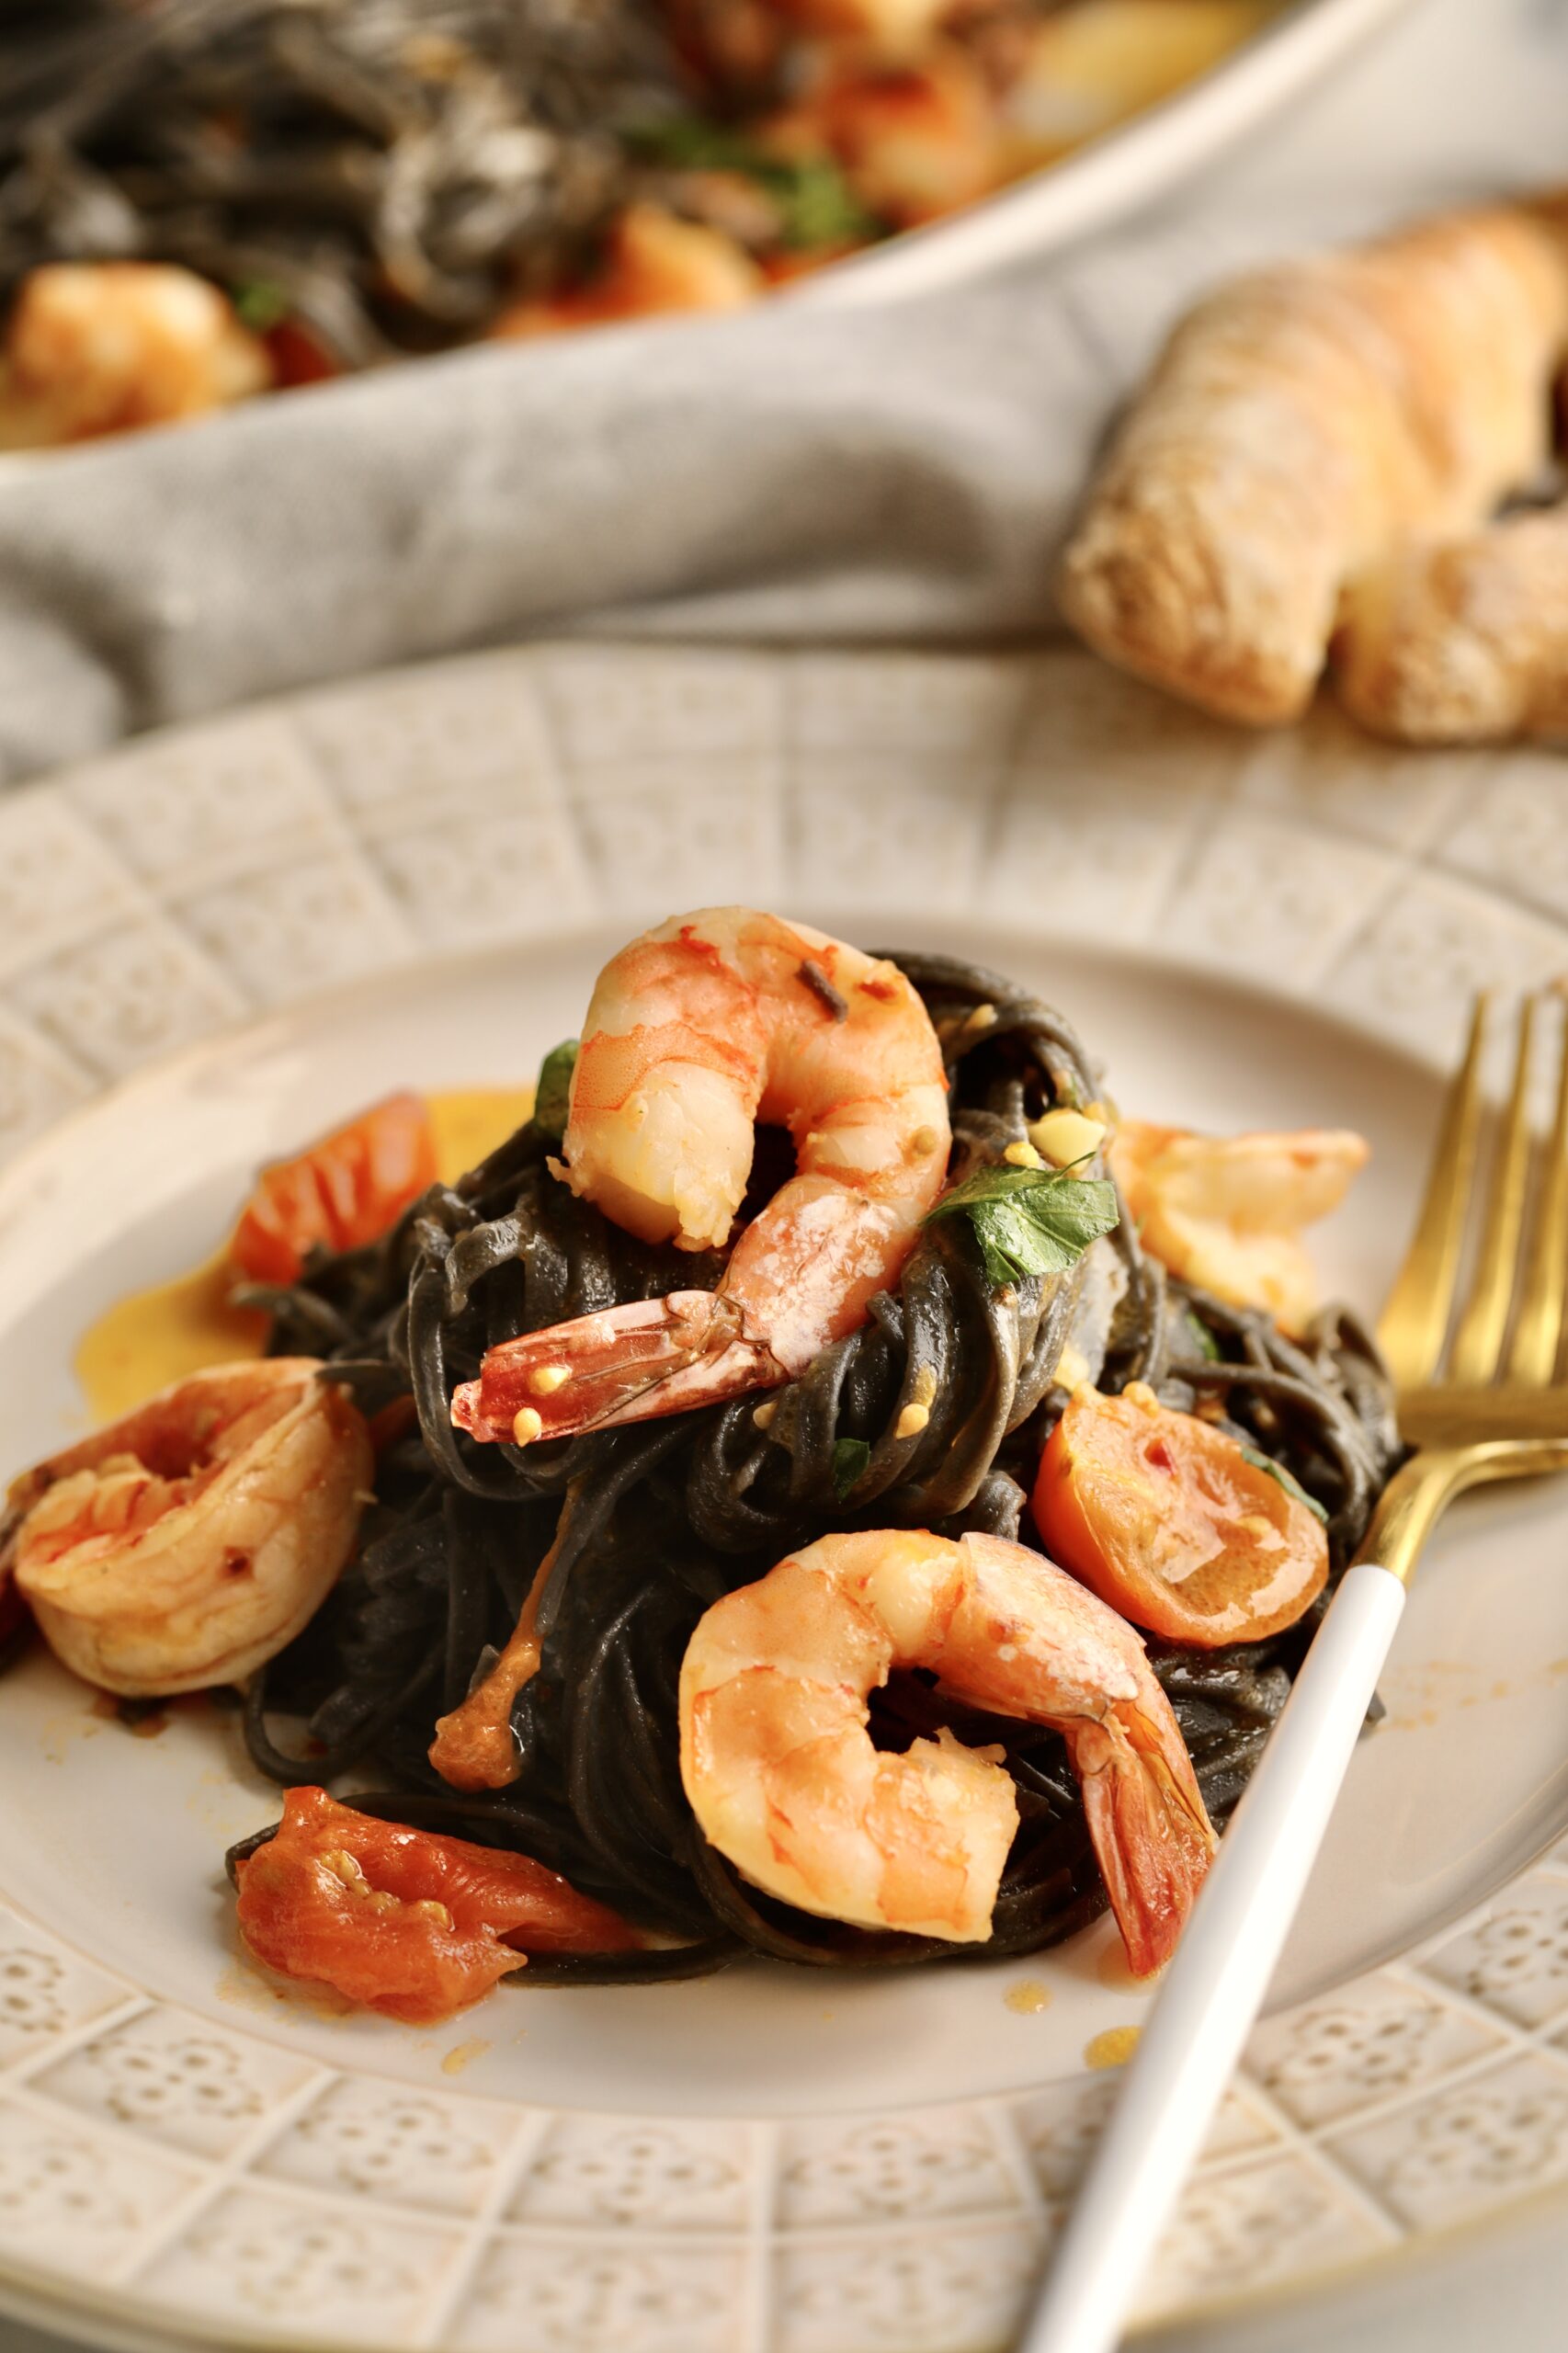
1301 422
1465 642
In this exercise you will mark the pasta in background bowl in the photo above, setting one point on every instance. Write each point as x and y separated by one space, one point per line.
210 199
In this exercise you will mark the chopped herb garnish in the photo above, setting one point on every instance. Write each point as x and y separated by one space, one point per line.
850 1456
1032 1221
691 144
1202 1338
553 1092
816 980
816 205
821 208
259 305
1287 1479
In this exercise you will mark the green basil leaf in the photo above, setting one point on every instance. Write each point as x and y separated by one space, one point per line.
1032 1221
851 1457
553 1092
816 204
1287 1479
259 305
820 208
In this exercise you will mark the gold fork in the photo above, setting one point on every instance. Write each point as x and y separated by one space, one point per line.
1489 1403
1480 1398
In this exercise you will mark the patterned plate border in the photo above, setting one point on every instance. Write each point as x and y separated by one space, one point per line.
209 2182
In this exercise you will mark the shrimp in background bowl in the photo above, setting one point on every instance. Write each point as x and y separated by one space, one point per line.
94 347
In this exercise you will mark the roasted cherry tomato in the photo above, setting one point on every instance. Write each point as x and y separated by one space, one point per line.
1175 1524
298 355
412 1926
346 1189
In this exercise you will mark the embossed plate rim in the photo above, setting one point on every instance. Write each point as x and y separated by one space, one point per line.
617 732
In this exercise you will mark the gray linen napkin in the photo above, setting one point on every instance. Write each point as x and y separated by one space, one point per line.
901 473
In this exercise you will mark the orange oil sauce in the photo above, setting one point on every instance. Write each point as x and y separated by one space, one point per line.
1114 2047
171 1329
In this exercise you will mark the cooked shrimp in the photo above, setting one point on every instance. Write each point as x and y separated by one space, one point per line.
101 346
185 1543
782 1776
654 262
1226 1212
695 1033
914 140
891 27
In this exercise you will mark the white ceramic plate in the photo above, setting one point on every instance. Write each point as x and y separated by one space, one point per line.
1112 176
243 929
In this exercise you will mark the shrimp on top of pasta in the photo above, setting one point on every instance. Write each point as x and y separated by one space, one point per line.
694 1033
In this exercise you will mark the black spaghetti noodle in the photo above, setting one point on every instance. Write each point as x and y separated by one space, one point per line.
645 1525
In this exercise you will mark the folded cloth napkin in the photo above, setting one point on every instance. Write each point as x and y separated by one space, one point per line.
872 473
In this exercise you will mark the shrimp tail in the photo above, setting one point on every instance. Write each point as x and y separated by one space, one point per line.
624 1364
1150 1834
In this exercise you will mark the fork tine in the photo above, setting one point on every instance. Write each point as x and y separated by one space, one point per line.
1532 1360
1413 1324
1484 1325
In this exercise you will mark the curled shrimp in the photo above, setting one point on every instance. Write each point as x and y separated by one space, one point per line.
654 262
103 346
914 137
781 1774
1226 1212
185 1543
694 1033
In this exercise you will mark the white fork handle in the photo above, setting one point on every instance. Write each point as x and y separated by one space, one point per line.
1215 1986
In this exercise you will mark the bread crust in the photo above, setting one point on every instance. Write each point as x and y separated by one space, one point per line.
1300 423
1463 643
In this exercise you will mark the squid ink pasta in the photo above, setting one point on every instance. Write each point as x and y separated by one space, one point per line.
930 1415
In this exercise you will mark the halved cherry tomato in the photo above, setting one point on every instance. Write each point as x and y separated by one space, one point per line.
349 1188
410 1925
1170 1521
